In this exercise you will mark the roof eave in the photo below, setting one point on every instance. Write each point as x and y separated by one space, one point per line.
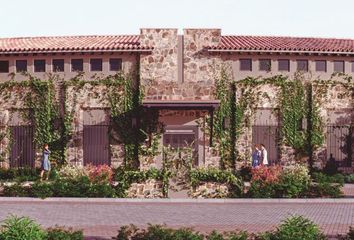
280 51
77 51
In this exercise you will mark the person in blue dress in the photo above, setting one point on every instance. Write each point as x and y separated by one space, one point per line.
45 164
256 157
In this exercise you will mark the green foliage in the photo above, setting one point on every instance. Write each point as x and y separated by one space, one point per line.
61 233
296 227
349 178
154 232
41 190
289 182
19 174
21 228
126 177
220 176
326 186
349 236
15 190
44 111
293 110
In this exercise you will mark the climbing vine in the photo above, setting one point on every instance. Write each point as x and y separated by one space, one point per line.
298 103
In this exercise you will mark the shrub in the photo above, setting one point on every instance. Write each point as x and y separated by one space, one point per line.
246 173
294 181
19 174
154 232
101 190
77 187
296 227
350 235
349 178
21 228
265 182
61 233
99 174
266 174
326 186
41 190
72 172
15 190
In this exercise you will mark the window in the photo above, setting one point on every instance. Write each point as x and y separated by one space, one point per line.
302 65
321 66
115 64
246 64
338 66
96 64
21 65
4 66
353 67
39 65
58 65
284 65
265 65
77 65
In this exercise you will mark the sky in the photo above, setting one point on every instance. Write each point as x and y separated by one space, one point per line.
307 18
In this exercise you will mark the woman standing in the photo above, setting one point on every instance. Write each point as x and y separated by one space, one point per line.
256 156
45 164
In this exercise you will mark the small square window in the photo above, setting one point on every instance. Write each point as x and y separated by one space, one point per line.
321 66
4 66
96 64
338 66
302 65
115 64
265 65
353 67
21 65
284 65
77 65
58 65
246 64
39 65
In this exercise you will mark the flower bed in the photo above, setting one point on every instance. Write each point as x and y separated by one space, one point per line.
292 182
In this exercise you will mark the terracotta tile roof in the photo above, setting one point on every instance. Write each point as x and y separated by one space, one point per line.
70 43
264 43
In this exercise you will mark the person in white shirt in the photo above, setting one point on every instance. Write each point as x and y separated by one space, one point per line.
264 155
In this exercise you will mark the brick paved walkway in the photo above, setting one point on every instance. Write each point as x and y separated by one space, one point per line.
103 218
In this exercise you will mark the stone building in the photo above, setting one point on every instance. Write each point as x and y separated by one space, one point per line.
177 75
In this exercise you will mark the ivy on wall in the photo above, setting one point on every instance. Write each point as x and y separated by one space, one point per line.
298 101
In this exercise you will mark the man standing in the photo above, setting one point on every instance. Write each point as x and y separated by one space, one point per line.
264 155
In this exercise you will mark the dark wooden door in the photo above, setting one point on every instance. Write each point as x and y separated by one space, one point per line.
340 144
22 147
266 130
96 145
267 135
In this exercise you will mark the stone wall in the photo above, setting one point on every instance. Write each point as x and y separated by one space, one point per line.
12 108
161 64
199 66
210 190
149 189
80 101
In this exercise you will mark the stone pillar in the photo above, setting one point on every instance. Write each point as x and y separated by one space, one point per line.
198 64
161 63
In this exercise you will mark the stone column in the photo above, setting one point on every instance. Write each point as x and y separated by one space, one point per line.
198 64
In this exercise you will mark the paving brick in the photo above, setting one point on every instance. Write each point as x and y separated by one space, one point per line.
104 218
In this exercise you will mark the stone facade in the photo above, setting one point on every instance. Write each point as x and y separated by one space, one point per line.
177 69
